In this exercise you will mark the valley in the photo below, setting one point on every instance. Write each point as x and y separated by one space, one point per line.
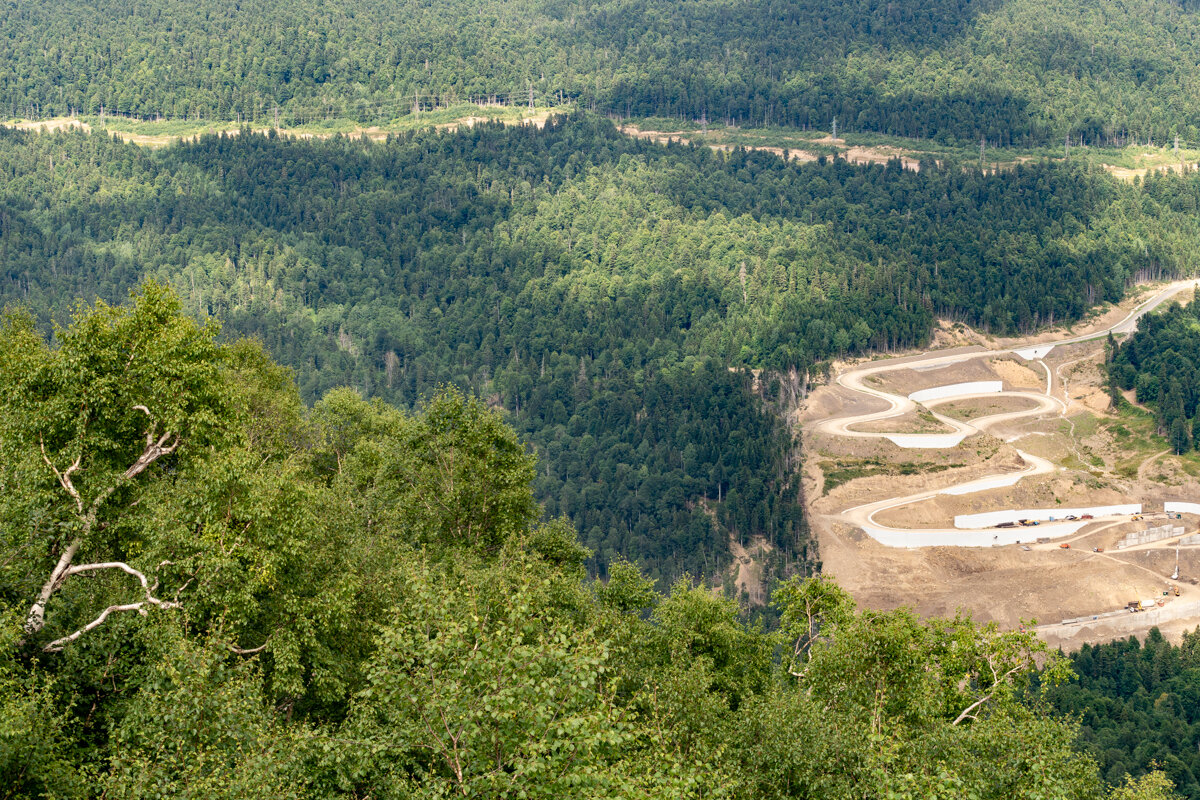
1027 433
571 400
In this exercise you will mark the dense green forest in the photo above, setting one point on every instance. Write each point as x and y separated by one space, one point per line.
1158 362
211 590
611 295
1008 71
1138 706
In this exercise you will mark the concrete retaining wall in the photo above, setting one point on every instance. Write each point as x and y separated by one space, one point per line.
1172 507
927 440
990 519
1149 535
1030 353
957 390
919 538
985 484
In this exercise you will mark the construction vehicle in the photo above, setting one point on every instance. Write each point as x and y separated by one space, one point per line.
1134 606
1087 516
1097 549
1065 546
1135 518
1175 591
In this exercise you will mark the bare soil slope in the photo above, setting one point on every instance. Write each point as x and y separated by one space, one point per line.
1101 458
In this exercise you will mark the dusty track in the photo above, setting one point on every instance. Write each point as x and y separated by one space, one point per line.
988 579
897 405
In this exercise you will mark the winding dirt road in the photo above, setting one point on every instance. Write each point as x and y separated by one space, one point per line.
1044 403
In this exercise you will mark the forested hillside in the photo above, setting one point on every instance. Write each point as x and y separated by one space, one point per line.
210 590
610 295
1158 362
1138 706
1008 71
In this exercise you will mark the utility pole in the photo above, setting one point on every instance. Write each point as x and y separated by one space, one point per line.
981 153
1067 145
531 95
835 129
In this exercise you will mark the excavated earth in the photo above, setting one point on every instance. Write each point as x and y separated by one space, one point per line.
1009 584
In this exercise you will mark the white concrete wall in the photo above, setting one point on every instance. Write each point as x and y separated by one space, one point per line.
1173 507
941 538
990 519
927 440
1030 353
957 390
985 484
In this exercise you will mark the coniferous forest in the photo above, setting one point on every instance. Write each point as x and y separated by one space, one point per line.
336 467
1137 705
1159 364
615 298
1007 71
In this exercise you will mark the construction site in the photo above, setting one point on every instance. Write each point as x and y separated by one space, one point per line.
993 476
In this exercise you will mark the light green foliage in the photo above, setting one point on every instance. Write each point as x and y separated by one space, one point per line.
264 570
892 706
115 376
481 689
695 628
453 476
808 605
89 427
1151 786
556 543
199 727
364 604
36 754
626 591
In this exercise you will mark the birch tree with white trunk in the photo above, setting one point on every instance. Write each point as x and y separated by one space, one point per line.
94 420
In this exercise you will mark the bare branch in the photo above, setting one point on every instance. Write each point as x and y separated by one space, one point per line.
140 607
58 644
1000 678
64 478
153 425
249 651
121 565
154 450
966 714
37 614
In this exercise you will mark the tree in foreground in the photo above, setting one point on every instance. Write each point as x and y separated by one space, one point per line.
210 591
89 428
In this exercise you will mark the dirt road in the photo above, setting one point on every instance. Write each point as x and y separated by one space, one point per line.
870 392
1045 403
